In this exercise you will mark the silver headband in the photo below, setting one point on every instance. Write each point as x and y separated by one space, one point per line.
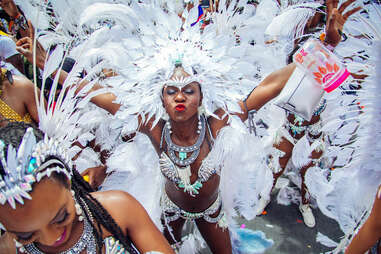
24 166
181 82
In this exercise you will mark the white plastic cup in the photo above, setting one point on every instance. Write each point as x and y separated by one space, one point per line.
324 67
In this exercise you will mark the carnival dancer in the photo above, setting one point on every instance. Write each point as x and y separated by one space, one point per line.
187 142
308 17
47 207
348 196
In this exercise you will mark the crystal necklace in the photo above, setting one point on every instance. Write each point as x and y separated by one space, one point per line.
182 163
182 160
87 240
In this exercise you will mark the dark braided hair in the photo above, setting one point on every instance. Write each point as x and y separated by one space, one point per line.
13 134
82 192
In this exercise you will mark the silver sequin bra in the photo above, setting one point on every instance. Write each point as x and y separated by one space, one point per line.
171 171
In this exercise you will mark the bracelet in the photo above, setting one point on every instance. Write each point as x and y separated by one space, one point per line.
322 38
250 116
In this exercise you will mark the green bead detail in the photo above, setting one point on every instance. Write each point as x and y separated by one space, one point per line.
182 155
298 120
197 185
194 188
32 165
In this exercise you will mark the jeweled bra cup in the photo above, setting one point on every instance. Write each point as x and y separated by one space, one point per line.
170 170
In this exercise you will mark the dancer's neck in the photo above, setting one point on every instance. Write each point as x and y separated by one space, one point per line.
185 130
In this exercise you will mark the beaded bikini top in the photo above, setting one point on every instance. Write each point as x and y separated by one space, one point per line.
7 112
168 168
181 175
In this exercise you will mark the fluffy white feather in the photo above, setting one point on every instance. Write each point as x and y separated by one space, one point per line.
296 17
325 240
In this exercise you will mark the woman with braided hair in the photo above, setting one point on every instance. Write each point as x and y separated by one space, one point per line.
48 208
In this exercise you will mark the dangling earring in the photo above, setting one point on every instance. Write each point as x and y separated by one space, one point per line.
19 246
168 126
78 209
165 116
199 125
201 110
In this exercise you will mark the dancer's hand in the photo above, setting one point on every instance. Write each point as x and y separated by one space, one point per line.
95 176
336 19
25 47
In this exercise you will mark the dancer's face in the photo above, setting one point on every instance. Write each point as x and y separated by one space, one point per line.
46 219
182 104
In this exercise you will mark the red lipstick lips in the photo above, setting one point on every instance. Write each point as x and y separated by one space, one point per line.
180 107
60 240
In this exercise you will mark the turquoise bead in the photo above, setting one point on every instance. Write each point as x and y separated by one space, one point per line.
32 165
182 155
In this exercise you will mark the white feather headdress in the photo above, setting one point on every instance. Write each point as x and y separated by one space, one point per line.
141 42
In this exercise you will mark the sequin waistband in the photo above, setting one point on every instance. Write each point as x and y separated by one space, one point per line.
169 207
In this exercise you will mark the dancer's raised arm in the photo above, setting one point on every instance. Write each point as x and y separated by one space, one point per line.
268 89
273 84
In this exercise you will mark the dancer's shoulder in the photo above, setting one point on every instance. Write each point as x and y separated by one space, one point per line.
114 199
118 204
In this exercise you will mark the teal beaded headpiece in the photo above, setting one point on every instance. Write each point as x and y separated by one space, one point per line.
28 165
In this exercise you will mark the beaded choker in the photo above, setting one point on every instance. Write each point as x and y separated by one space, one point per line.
182 159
